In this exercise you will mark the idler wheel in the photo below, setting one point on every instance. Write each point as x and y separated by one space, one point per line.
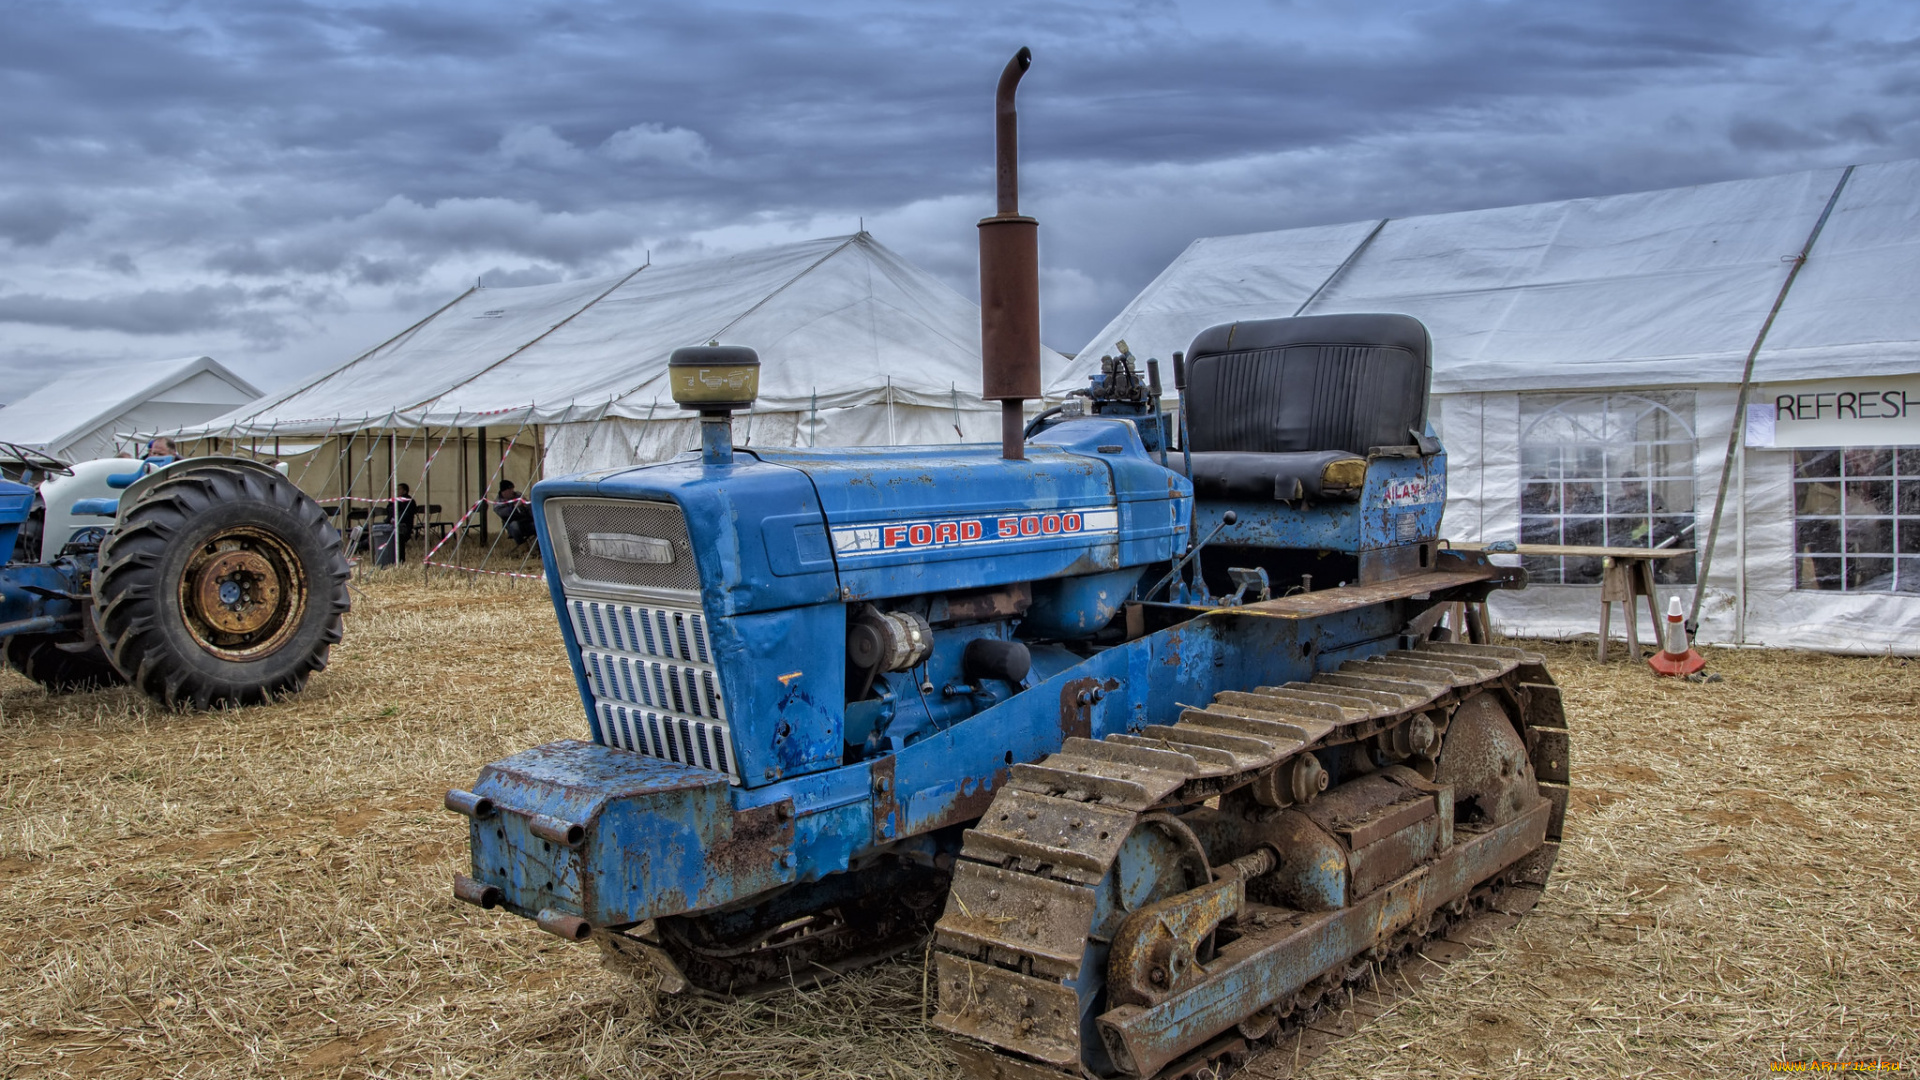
1484 761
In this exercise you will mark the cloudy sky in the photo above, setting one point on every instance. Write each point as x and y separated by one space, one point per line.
282 184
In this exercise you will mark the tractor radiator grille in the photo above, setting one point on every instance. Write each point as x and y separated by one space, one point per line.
673 738
655 689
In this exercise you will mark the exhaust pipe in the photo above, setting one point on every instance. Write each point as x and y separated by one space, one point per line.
1009 279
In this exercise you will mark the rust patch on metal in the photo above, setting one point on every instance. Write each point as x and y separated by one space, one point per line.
887 811
973 801
1076 708
989 604
761 837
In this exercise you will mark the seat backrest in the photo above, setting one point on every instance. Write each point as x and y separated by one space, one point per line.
1318 382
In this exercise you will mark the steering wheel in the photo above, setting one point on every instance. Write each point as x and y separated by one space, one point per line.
38 459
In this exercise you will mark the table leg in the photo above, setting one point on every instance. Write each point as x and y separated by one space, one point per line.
1606 616
1633 630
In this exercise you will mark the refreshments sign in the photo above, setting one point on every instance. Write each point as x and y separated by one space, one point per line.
1835 412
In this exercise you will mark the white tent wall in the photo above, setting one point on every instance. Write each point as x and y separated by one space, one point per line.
1482 435
618 441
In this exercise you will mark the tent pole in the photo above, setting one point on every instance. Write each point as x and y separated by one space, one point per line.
1740 546
426 493
1740 405
460 538
480 465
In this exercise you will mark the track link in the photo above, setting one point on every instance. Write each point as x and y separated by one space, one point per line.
1019 931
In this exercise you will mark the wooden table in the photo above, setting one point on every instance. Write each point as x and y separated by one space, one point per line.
1626 574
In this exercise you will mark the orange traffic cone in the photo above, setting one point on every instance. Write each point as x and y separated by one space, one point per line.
1676 657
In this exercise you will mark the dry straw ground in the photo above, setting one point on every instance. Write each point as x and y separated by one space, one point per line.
264 892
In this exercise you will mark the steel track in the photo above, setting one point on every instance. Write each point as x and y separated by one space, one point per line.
1018 931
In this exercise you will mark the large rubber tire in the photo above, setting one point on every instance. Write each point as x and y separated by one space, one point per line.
38 657
221 587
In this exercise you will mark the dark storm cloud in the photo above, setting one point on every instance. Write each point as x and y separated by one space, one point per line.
31 219
151 312
332 147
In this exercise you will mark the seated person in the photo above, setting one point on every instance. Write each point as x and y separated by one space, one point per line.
402 513
516 514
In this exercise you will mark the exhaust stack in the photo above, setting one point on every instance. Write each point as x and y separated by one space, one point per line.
1009 279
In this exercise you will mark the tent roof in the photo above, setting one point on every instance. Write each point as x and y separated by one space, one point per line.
79 401
839 321
1653 288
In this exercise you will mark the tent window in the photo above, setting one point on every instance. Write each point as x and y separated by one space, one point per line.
1612 470
1856 519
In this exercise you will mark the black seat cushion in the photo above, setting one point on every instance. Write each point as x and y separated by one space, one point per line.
1320 382
1225 474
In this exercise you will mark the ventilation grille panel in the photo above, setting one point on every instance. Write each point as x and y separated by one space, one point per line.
656 691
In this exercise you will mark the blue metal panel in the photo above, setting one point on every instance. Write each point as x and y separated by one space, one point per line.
660 837
16 502
18 603
1400 504
913 520
555 589
784 675
96 507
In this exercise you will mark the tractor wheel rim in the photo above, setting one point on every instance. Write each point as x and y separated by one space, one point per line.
243 594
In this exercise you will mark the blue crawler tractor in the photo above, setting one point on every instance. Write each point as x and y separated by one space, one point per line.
1157 737
203 581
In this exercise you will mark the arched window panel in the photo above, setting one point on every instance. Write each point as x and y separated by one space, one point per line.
1607 470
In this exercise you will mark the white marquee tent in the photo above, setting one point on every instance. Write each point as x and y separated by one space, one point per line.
1588 356
97 410
858 347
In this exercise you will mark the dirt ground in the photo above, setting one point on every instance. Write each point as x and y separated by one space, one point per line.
264 892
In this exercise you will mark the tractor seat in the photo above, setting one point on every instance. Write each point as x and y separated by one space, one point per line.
1303 474
1289 409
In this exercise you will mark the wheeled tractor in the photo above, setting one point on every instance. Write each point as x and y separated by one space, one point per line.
202 581
1155 736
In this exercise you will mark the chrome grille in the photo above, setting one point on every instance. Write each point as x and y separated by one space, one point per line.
655 690
576 523
667 633
673 738
678 688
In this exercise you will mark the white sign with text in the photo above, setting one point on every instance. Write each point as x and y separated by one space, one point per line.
1835 412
